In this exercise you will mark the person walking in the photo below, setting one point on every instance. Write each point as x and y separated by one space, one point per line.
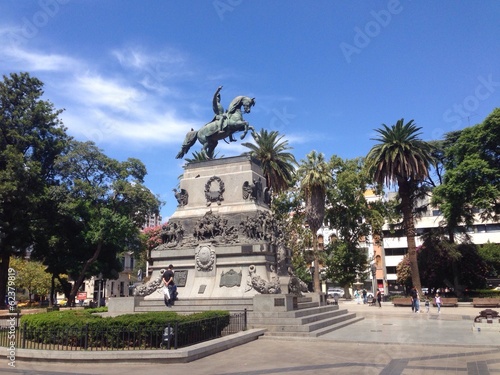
437 300
379 298
356 296
415 305
365 299
168 282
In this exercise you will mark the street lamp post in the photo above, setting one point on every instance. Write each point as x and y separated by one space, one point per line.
374 274
99 291
311 269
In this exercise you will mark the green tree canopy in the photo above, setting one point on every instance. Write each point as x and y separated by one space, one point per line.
472 175
347 208
105 203
490 253
31 138
31 276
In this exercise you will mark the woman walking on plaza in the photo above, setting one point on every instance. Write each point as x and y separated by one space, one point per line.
437 300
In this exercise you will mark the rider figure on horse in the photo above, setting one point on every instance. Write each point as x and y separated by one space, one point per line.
220 114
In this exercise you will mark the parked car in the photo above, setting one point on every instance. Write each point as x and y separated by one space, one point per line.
335 291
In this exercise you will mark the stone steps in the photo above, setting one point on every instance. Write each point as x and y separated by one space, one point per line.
304 322
308 319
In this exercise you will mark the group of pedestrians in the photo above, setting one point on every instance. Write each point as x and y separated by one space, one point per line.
415 301
363 295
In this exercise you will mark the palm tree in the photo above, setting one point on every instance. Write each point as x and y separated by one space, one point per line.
402 158
277 164
200 156
316 177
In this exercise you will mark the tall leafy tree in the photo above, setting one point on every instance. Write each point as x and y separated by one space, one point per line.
345 262
471 180
31 137
347 207
490 253
437 253
106 203
351 216
472 177
315 178
31 276
401 158
277 162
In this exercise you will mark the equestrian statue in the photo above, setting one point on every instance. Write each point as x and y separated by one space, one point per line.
224 124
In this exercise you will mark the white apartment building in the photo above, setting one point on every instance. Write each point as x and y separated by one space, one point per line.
395 245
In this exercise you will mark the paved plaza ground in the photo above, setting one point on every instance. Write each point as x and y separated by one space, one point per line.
390 340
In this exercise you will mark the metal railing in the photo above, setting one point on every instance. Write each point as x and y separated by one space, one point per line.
165 336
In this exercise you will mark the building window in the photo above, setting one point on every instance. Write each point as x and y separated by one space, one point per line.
396 251
492 227
391 270
436 212
394 234
480 228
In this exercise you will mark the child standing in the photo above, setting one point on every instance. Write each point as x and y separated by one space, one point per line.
427 305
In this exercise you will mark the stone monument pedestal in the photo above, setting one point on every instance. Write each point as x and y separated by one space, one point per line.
223 240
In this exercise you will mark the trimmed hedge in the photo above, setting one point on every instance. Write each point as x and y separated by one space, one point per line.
84 328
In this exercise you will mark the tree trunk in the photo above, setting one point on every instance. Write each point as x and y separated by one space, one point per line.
317 286
81 278
4 274
52 294
409 225
454 266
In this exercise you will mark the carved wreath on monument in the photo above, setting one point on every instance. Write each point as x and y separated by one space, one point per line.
205 258
214 195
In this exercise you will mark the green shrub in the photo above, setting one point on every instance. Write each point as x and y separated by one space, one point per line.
84 328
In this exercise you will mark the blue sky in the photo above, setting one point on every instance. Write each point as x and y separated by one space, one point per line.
135 76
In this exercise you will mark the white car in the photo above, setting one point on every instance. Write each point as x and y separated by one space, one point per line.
335 291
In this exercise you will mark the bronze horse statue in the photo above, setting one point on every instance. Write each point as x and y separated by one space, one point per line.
222 126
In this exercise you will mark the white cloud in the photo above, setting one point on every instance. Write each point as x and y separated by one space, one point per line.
101 127
96 91
139 58
35 61
155 71
117 108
